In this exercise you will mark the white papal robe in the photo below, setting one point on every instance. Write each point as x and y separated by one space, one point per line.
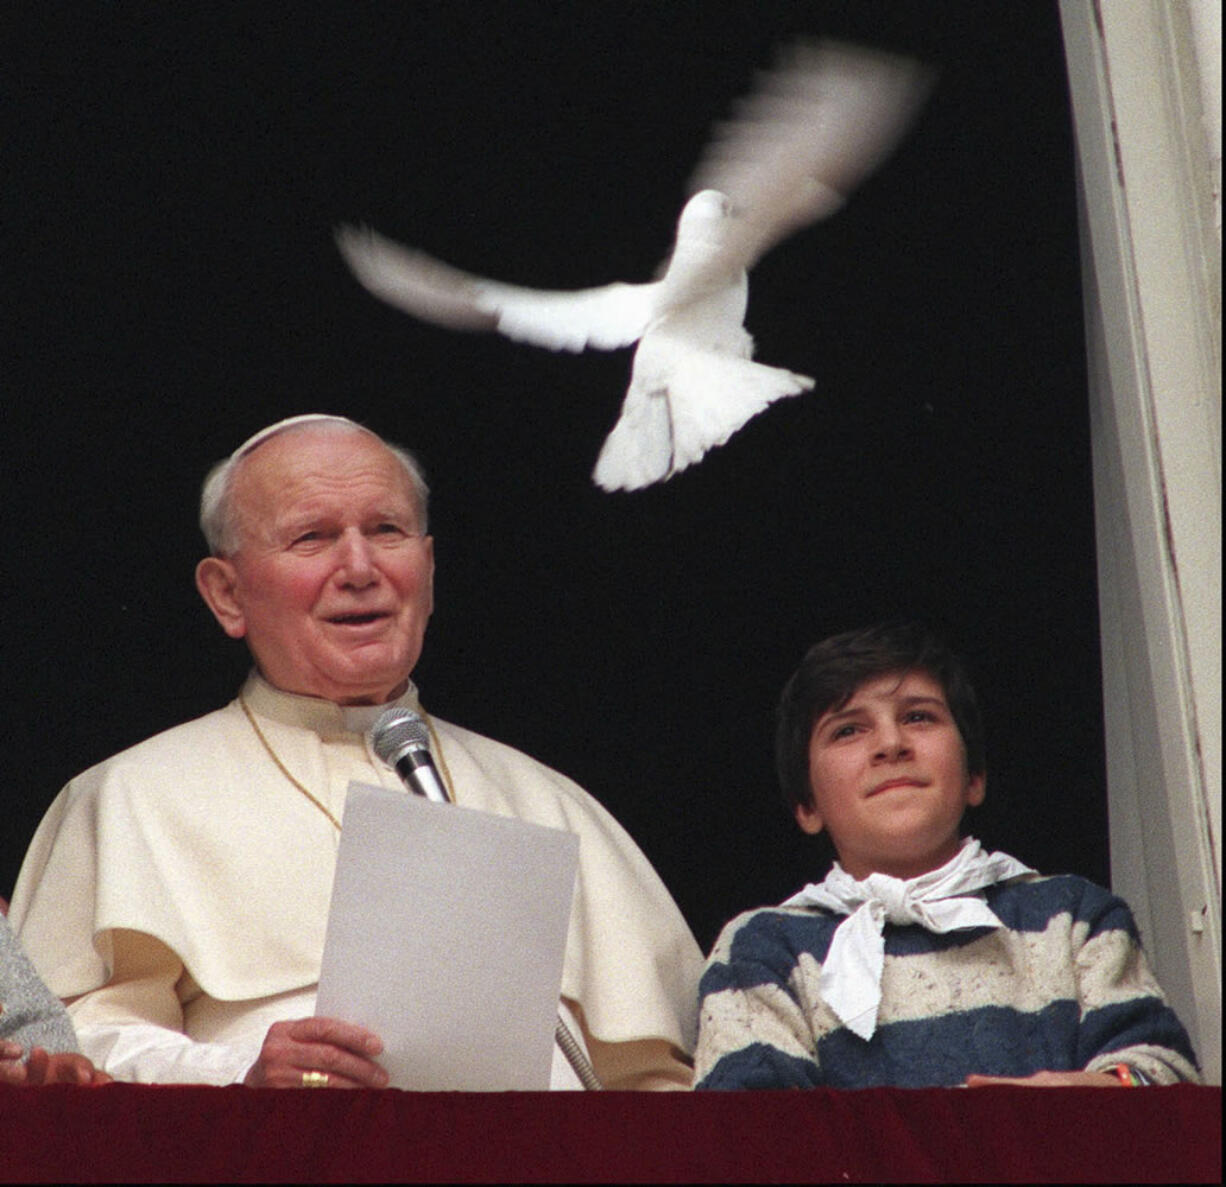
178 893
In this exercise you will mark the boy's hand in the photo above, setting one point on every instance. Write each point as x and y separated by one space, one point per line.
1049 1080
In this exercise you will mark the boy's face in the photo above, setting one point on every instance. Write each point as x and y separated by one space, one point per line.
889 779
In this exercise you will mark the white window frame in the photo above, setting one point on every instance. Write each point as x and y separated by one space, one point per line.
1142 75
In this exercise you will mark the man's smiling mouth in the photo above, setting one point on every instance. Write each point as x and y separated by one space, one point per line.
357 619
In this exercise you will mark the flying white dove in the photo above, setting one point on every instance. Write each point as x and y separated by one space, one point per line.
815 126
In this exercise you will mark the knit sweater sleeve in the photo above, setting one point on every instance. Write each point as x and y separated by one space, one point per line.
1124 1016
30 1014
753 1028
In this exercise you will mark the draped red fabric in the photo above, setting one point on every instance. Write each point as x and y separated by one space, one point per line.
130 1133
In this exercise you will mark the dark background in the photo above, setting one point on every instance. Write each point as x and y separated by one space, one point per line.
173 176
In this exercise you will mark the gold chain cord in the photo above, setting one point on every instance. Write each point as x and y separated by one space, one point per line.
259 733
439 757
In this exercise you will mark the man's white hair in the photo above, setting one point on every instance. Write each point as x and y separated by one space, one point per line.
218 520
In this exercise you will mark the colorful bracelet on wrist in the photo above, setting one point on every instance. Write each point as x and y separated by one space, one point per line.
1129 1076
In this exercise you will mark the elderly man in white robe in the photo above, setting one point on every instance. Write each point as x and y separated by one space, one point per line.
176 895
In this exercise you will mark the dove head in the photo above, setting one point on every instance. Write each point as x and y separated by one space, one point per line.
704 213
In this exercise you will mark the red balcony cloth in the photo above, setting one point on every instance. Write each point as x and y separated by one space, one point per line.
131 1133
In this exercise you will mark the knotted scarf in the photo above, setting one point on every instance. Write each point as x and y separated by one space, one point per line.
942 900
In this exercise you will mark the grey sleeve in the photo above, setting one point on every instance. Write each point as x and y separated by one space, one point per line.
30 1014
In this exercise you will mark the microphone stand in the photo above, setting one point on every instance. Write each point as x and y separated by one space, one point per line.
580 1064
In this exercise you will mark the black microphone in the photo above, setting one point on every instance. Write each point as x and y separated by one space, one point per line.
401 740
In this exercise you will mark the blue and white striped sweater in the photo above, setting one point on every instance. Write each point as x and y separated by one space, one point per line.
1062 986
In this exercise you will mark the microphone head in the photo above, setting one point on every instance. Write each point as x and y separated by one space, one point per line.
398 731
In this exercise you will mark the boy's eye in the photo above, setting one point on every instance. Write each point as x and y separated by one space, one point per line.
843 731
919 715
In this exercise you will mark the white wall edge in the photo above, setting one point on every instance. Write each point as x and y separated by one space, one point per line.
1152 266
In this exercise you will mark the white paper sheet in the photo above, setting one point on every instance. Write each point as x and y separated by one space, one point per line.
445 937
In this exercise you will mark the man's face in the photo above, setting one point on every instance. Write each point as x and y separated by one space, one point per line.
889 779
332 584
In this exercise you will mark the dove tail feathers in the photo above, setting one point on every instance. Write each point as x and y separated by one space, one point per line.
639 450
665 427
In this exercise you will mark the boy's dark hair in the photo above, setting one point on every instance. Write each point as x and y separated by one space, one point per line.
832 670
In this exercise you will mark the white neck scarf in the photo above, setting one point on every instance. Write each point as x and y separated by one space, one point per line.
851 973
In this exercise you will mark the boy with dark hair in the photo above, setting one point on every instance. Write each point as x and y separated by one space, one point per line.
920 960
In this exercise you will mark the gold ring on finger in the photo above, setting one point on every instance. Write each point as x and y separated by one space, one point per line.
315 1079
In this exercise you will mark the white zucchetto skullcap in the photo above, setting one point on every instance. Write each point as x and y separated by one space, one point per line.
305 418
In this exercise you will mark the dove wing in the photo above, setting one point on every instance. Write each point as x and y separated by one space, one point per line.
603 318
814 127
684 400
